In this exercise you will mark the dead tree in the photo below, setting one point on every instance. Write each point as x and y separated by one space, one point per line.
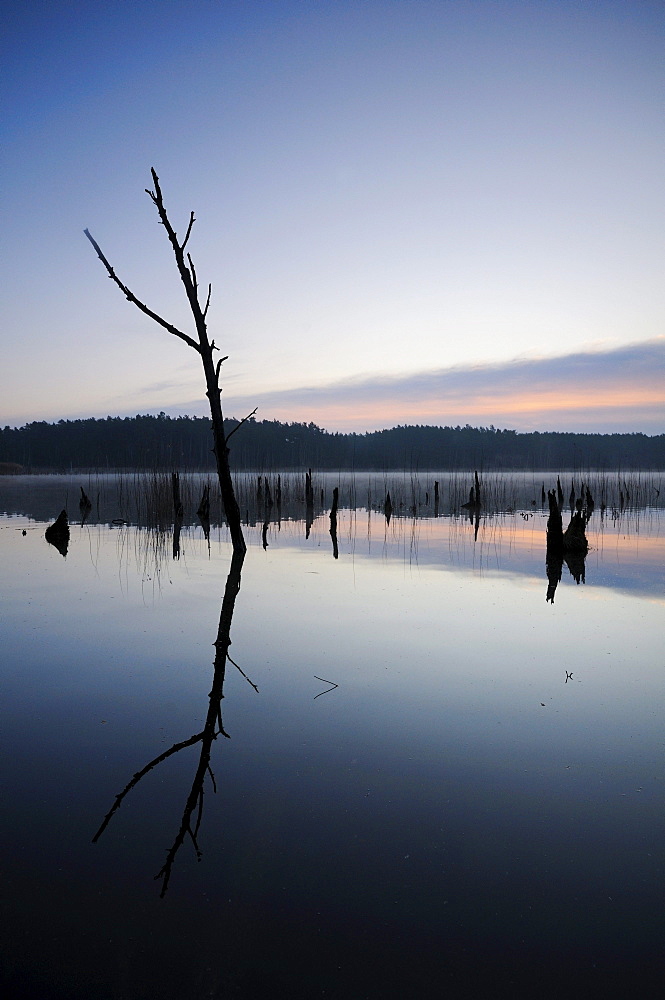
333 522
202 345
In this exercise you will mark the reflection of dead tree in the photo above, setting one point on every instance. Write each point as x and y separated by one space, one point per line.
202 345
177 528
178 513
554 552
474 505
309 503
267 513
576 563
553 566
213 727
554 524
569 546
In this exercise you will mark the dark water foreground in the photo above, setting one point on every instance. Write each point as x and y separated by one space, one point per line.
445 785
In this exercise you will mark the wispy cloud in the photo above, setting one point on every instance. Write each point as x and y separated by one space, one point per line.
620 389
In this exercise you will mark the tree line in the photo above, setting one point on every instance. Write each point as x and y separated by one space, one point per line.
163 442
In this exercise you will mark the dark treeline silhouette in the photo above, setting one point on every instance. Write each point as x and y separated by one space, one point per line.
163 442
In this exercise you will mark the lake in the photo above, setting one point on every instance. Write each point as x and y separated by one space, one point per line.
428 766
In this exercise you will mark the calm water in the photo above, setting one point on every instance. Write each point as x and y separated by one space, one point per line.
444 786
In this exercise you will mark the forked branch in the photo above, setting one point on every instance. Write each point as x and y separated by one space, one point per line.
129 294
188 277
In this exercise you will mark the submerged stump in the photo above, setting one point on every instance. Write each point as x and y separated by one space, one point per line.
57 534
333 522
574 538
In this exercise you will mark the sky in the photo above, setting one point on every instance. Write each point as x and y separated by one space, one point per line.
411 211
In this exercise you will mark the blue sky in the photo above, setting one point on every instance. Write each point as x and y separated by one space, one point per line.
410 211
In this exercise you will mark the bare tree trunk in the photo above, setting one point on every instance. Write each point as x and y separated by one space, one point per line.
221 449
333 522
202 345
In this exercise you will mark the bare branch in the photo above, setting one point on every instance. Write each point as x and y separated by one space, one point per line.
187 277
197 738
193 274
238 426
198 819
192 220
219 363
137 302
205 311
244 674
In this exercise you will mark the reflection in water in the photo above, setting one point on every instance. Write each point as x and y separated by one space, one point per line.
430 510
178 514
388 507
569 546
177 527
502 539
267 514
214 727
554 562
146 499
203 514
474 505
352 843
473 514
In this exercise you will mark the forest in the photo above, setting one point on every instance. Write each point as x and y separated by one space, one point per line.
164 442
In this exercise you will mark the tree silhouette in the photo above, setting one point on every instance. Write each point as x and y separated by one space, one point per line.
202 345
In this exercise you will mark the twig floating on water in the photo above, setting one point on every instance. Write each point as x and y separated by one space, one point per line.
325 681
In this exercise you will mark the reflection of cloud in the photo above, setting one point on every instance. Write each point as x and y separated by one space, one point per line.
617 390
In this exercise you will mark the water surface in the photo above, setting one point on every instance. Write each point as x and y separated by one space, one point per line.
445 785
